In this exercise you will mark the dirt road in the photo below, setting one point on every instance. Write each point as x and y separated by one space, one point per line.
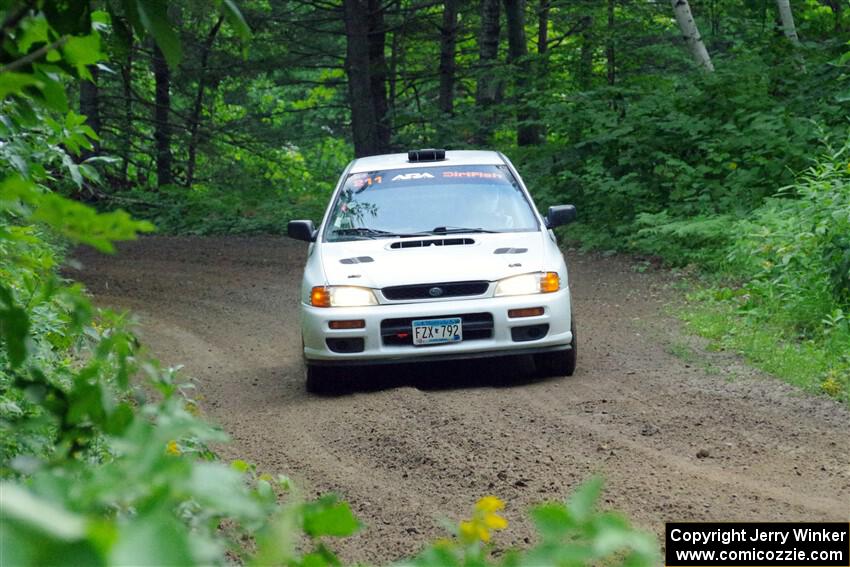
419 443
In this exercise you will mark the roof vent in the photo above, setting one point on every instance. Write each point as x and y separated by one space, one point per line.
428 154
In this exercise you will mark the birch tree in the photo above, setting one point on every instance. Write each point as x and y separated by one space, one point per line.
690 33
787 18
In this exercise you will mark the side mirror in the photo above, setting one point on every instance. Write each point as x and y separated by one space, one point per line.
301 230
560 215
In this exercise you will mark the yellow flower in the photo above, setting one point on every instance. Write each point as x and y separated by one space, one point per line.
483 520
831 385
489 504
495 522
733 165
172 448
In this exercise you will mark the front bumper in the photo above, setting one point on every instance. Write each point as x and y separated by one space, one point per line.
501 341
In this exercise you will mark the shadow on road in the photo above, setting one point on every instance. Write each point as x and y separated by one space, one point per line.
497 372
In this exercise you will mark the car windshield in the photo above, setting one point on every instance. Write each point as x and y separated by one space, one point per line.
431 200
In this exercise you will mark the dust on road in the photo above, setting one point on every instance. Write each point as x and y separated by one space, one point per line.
675 440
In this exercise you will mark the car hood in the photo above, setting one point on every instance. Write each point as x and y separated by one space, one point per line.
487 257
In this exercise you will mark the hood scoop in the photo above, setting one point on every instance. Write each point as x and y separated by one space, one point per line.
357 260
510 251
437 242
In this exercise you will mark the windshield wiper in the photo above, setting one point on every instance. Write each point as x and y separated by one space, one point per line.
366 232
459 230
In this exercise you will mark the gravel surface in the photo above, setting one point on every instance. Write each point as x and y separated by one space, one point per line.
700 437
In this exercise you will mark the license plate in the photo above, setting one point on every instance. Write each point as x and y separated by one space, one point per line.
437 331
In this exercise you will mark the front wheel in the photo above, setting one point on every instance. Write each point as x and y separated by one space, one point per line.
559 363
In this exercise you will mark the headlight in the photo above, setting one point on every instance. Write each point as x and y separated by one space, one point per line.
528 284
342 296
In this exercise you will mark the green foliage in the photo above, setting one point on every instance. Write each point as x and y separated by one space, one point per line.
795 250
252 194
687 149
787 271
95 473
570 534
103 458
792 257
210 210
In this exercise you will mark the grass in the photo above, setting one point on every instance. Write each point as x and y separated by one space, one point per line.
692 357
819 366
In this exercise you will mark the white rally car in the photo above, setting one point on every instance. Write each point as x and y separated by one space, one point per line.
433 255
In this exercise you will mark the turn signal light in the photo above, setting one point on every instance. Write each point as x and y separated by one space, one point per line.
527 312
550 282
350 324
320 297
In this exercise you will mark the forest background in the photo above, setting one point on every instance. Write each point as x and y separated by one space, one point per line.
723 155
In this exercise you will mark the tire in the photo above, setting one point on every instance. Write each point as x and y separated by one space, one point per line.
559 363
322 380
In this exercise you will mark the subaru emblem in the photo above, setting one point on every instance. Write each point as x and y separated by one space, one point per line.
435 291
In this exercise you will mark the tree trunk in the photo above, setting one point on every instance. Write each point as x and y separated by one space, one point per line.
527 131
837 8
609 45
363 124
487 89
690 33
127 142
377 38
543 27
542 67
585 60
162 109
198 105
90 108
787 18
448 36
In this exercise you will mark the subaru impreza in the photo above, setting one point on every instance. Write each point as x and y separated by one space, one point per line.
433 255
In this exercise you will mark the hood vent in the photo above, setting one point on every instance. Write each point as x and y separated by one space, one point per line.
510 251
437 242
357 260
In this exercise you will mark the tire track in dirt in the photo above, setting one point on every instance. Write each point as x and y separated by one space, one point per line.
415 443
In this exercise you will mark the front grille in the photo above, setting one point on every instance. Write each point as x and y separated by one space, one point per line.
429 291
399 332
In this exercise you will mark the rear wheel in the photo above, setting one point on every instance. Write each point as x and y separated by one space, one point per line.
558 363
